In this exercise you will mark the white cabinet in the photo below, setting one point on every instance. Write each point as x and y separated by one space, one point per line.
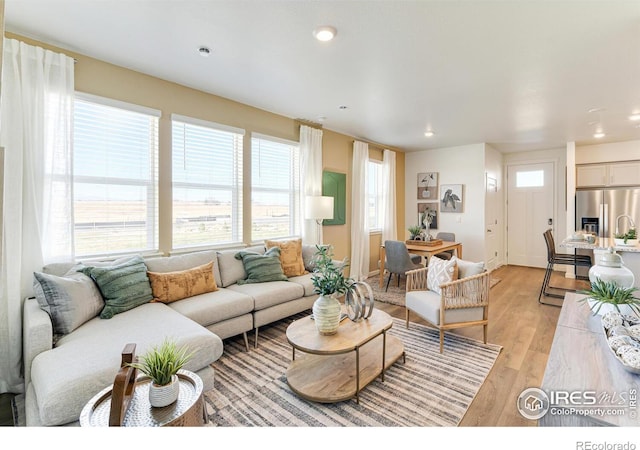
612 174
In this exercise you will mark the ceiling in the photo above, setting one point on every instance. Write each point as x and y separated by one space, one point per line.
519 75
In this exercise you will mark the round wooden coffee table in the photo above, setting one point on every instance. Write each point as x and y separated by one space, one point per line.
337 367
188 410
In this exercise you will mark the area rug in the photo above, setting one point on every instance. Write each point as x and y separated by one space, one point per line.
428 389
395 294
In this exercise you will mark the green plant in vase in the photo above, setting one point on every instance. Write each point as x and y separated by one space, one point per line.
414 231
631 234
610 293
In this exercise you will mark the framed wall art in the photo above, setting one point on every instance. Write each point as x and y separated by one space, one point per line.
335 185
428 186
451 198
432 208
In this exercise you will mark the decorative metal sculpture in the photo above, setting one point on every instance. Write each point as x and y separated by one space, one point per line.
359 306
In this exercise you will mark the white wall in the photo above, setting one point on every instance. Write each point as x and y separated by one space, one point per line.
455 165
616 151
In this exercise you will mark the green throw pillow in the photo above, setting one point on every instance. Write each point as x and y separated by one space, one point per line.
261 268
123 286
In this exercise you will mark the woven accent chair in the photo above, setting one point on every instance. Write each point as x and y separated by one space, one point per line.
559 258
461 303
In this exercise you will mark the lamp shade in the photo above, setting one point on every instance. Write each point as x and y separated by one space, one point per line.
318 207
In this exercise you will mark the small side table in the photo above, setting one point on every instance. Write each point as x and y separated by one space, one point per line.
187 411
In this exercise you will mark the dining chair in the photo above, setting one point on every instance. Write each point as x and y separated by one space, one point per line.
397 260
558 258
446 236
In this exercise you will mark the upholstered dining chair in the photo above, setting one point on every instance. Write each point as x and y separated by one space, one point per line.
460 303
446 236
397 260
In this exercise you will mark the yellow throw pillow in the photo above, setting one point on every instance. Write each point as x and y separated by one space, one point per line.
172 286
290 256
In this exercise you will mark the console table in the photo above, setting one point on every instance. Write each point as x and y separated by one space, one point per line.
580 360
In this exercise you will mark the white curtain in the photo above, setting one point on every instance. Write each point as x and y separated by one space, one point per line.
388 210
311 174
359 263
36 122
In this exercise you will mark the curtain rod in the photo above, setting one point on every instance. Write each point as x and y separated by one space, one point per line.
309 123
374 145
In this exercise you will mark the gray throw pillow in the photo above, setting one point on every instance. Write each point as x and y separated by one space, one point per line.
70 300
262 268
123 286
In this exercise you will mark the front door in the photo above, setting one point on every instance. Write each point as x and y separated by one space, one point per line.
530 212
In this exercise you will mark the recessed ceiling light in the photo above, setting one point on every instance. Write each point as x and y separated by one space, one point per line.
324 33
598 135
595 110
429 133
204 51
634 117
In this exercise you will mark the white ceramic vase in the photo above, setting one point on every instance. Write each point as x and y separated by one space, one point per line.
161 396
326 314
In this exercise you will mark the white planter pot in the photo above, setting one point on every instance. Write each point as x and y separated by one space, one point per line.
160 396
326 314
606 307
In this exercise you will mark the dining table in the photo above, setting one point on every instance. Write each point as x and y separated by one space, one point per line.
425 250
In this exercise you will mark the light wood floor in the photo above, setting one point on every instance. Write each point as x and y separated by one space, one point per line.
517 322
525 329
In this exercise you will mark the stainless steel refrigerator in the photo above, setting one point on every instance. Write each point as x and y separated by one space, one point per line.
599 211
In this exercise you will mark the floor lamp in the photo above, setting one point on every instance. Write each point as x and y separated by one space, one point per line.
318 208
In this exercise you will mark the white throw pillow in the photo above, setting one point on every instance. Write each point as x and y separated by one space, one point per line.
440 271
468 268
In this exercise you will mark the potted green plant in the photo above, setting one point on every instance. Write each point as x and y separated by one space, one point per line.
628 238
161 364
414 231
605 296
329 282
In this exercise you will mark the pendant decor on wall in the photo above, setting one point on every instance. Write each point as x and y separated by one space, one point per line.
335 185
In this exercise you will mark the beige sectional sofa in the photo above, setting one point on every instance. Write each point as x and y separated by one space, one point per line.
61 377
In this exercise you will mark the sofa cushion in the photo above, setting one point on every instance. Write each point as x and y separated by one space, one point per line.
427 305
468 268
70 300
440 271
308 256
175 263
261 268
290 256
169 287
213 307
271 293
232 269
306 282
123 286
86 361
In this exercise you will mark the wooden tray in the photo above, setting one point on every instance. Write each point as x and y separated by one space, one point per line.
431 243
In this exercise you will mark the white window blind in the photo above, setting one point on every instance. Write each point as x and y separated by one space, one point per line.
275 188
374 195
207 183
115 177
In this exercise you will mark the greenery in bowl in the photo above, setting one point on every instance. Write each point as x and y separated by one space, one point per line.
414 230
328 277
163 361
609 292
631 234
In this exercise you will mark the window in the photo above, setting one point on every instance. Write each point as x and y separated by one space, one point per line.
275 188
207 183
115 177
531 178
374 195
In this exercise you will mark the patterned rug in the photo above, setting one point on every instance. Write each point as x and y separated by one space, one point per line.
429 389
395 294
